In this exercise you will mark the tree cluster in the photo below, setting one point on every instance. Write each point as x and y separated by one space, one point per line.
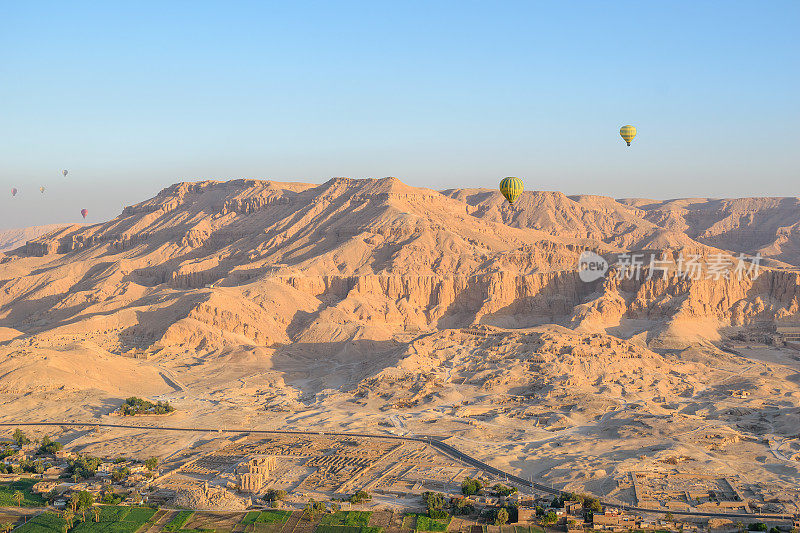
360 497
81 500
503 490
274 495
84 466
439 507
435 503
19 438
548 518
471 487
313 509
138 406
111 498
35 467
118 474
502 515
590 504
50 446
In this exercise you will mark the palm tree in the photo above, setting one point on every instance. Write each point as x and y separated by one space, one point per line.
740 526
19 497
96 513
69 516
5 527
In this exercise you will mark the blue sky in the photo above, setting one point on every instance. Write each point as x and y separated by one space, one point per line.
134 96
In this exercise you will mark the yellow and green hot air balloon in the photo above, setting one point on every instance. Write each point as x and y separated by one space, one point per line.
628 133
511 188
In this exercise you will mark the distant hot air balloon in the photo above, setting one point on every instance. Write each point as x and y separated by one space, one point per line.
628 133
13 191
64 172
84 212
41 189
511 188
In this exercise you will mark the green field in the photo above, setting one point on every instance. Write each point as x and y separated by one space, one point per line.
29 499
273 517
43 523
114 519
346 518
178 521
409 521
425 523
347 522
250 517
330 528
522 529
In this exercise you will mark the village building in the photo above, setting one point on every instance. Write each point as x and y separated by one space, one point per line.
573 507
55 471
613 520
43 487
575 524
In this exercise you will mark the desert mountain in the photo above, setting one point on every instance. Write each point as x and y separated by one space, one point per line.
370 304
249 262
14 238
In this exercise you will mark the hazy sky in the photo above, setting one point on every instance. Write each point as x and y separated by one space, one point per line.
134 96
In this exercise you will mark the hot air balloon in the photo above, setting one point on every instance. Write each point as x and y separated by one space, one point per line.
41 189
511 188
64 172
13 191
628 133
84 212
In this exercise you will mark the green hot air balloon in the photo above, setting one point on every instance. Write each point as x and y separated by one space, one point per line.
511 188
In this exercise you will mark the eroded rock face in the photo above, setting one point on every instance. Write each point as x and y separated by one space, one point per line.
208 498
249 262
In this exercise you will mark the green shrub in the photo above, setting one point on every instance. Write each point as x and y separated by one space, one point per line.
20 438
503 490
360 496
470 487
50 446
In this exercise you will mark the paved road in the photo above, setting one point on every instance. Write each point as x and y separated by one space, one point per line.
432 440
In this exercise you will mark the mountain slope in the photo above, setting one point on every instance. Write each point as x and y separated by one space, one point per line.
249 262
